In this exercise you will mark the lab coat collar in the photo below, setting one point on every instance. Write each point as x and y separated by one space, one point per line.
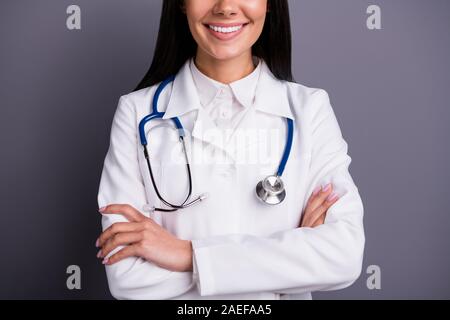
184 96
243 89
271 94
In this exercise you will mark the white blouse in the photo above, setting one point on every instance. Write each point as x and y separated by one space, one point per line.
226 104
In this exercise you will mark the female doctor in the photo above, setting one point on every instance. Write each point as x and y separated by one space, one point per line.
300 230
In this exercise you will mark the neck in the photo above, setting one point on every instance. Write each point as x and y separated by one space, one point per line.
225 71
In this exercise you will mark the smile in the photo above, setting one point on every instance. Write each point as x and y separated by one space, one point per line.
226 29
224 32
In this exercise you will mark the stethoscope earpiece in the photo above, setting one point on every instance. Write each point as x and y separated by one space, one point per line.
271 190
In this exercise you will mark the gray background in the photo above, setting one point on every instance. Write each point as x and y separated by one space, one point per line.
59 90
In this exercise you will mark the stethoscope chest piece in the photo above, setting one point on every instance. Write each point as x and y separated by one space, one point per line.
271 190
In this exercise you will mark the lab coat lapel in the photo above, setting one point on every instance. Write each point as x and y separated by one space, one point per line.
206 130
184 99
271 98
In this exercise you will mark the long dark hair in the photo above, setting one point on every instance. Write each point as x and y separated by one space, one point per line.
175 43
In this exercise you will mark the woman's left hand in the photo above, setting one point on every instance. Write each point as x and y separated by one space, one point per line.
317 207
144 238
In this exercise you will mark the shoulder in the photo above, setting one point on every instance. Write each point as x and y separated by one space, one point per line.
305 95
139 96
139 101
314 110
306 100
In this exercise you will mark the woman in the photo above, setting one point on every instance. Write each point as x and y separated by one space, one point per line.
233 93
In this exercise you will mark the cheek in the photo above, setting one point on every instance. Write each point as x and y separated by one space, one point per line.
255 10
196 10
257 15
257 28
196 31
255 31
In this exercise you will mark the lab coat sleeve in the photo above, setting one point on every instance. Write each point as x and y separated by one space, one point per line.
121 183
300 260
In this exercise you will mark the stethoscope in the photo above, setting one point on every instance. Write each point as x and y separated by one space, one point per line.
270 190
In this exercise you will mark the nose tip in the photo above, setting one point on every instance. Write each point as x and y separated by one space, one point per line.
225 8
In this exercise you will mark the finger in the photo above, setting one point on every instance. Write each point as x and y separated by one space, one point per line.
319 221
311 204
119 239
314 194
331 199
116 228
320 210
126 210
319 198
128 251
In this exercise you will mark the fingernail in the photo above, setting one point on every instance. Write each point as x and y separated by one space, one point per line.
105 260
99 253
327 187
102 209
97 243
332 197
316 190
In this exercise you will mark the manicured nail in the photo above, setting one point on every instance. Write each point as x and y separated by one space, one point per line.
327 187
102 209
99 253
105 261
97 243
333 196
316 190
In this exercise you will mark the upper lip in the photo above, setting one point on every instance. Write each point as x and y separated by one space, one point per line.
225 25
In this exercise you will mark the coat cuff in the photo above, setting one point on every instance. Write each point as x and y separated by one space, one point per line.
202 272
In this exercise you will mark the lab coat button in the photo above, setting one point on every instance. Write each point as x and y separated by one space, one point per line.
225 114
225 174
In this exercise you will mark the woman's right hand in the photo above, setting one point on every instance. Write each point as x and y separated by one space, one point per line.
316 209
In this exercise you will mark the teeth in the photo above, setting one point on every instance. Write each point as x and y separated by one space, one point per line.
225 30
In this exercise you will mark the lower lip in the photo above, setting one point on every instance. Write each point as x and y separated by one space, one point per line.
225 36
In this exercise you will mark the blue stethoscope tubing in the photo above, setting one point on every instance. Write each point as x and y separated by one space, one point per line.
155 114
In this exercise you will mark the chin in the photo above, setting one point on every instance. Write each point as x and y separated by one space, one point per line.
224 54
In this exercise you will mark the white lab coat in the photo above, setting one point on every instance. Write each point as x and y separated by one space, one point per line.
243 248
